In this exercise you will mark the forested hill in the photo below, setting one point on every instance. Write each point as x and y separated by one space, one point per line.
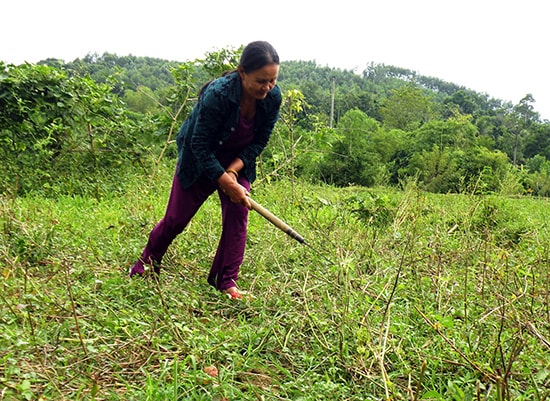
382 126
364 91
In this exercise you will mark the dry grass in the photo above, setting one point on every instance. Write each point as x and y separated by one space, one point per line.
404 296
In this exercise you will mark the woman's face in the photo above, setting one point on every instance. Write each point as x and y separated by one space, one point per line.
257 84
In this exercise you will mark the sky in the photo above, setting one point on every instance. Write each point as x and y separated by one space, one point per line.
496 47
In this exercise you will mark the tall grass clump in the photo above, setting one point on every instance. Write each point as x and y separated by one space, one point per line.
399 294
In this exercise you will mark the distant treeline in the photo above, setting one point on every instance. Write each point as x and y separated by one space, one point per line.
77 126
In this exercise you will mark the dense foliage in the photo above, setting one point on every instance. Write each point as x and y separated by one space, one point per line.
60 133
401 294
86 119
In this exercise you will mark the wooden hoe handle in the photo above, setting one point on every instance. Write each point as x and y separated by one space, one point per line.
281 225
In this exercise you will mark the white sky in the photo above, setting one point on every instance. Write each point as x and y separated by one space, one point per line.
498 47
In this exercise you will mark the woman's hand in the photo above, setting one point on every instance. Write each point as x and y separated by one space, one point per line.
236 192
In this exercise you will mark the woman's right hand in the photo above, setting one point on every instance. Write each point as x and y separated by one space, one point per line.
235 191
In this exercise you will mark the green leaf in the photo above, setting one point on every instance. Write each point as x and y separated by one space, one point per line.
431 395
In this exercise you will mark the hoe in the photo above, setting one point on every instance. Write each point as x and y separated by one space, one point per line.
277 222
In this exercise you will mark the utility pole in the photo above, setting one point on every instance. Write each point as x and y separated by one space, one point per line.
332 102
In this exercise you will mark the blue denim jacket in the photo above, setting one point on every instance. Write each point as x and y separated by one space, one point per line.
213 119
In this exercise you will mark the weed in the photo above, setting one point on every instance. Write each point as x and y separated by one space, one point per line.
403 295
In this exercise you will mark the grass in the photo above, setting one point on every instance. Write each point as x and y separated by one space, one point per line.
403 295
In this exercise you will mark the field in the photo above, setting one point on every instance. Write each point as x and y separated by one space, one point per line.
403 295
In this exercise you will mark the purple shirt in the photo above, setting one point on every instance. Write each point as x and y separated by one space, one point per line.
241 137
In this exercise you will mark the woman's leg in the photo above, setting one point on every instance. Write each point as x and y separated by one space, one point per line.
229 255
182 206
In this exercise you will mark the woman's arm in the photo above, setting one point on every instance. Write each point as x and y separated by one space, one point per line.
230 186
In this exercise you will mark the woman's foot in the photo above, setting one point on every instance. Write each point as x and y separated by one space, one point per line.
234 293
140 268
137 269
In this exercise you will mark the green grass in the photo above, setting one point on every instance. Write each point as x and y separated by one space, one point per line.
404 295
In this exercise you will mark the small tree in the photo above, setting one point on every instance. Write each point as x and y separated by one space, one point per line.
352 159
407 108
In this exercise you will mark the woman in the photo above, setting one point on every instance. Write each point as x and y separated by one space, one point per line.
217 149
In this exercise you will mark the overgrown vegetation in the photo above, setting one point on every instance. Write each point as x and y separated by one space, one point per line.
95 116
406 296
426 273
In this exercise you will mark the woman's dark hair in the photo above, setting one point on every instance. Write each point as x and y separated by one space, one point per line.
257 55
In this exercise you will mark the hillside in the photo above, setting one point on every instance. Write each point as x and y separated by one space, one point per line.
404 296
384 126
425 274
375 83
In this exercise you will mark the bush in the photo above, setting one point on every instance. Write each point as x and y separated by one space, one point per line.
56 128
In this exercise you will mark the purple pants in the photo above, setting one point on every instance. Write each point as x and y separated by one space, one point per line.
182 206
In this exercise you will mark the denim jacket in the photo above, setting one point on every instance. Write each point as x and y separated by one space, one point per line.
213 119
